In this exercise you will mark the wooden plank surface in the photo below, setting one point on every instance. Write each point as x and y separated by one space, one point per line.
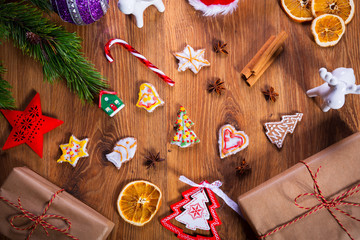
97 182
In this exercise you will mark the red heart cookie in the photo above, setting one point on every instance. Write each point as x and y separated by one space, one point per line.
231 141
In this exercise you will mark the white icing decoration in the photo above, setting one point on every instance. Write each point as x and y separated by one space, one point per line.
239 138
147 94
191 59
124 150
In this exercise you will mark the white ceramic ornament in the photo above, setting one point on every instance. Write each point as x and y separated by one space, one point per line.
137 8
339 82
124 150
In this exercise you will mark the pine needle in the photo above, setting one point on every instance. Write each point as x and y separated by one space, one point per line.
6 99
44 5
58 51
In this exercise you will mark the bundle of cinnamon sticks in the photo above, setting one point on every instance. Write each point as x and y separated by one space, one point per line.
263 58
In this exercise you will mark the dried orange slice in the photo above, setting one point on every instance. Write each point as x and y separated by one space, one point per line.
298 10
343 8
138 202
328 29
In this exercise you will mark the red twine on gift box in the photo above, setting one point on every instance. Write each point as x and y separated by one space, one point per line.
331 205
39 220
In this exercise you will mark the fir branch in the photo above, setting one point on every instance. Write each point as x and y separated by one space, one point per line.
44 5
6 99
58 50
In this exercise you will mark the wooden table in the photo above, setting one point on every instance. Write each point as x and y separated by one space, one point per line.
97 182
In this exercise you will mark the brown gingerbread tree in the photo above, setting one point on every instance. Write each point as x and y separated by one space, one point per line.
276 131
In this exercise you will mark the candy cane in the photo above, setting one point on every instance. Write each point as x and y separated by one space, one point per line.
137 55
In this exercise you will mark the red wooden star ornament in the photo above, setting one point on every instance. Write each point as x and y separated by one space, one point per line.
29 126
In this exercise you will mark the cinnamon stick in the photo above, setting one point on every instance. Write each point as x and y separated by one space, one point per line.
263 58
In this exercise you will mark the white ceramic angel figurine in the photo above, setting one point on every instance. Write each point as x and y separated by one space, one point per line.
338 83
137 8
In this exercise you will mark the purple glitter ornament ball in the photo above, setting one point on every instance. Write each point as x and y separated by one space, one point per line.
80 12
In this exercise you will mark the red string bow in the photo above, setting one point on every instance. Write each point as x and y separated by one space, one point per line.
39 220
331 205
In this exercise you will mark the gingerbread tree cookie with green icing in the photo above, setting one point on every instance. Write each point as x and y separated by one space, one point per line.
184 137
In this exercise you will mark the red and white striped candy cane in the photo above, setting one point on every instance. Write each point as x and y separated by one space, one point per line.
137 55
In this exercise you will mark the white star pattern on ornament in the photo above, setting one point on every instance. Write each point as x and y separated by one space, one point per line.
189 58
196 214
196 211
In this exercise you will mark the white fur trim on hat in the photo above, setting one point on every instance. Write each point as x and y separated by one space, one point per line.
214 10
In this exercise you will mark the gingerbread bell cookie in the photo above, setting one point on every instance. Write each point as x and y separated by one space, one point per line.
149 99
231 141
276 131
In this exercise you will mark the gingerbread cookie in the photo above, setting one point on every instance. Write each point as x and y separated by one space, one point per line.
124 150
184 136
276 131
191 59
231 141
73 151
149 98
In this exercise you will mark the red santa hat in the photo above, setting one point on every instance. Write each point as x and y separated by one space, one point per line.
214 7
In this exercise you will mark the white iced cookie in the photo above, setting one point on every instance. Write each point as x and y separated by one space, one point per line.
277 131
137 8
231 141
149 98
73 151
184 136
191 59
123 151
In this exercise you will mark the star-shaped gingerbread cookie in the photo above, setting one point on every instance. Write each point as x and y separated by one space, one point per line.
189 58
74 150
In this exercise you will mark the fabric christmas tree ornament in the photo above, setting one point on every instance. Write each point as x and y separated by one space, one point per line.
197 210
214 7
197 215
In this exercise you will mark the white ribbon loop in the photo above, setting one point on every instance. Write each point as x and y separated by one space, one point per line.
215 188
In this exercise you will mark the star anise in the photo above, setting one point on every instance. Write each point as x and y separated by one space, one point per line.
217 86
152 159
243 168
220 48
270 94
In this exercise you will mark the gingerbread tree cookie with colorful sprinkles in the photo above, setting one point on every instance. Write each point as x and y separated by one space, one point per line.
184 137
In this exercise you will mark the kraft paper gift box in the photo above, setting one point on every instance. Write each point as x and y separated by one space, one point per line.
270 208
35 192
